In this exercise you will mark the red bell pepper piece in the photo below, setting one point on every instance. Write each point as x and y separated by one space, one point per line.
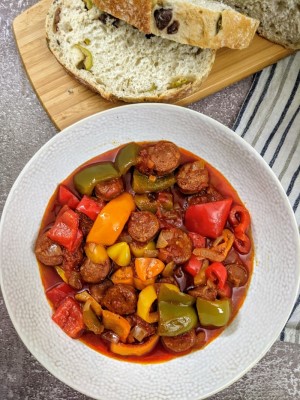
66 197
193 266
226 292
65 230
242 242
239 218
58 293
217 272
89 207
69 318
208 219
198 240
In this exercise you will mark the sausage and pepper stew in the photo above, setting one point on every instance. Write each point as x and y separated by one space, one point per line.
145 252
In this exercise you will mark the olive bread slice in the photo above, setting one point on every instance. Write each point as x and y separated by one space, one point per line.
203 23
279 20
119 62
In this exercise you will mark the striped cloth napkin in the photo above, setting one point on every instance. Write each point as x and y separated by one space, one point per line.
270 121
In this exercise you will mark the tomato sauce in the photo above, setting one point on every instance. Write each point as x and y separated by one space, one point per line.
50 278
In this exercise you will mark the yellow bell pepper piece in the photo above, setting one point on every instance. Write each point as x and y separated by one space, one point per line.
134 349
123 275
146 298
96 253
90 319
138 249
120 253
61 273
84 296
117 324
111 220
148 267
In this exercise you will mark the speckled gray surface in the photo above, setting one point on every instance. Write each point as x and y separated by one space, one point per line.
24 128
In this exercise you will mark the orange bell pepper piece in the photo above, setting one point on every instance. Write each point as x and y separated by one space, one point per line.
135 349
111 220
147 267
140 285
123 275
116 323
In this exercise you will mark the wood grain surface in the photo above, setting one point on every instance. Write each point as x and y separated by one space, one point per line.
67 101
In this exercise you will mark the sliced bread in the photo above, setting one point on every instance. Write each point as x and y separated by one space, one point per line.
279 20
119 62
203 23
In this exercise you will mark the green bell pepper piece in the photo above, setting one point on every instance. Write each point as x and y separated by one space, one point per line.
86 179
177 298
142 184
175 319
146 203
213 313
127 157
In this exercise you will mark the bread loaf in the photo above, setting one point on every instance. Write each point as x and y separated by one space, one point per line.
203 23
279 20
119 62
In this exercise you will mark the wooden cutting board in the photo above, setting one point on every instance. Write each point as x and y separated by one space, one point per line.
67 101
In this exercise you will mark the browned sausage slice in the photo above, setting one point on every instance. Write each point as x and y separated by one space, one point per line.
94 273
108 190
192 177
177 246
160 158
143 226
120 299
237 274
98 290
205 292
48 252
180 343
207 195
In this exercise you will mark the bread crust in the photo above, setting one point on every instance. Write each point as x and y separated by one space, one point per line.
134 12
198 25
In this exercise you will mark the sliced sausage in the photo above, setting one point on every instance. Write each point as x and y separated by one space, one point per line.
180 343
206 195
205 292
47 251
160 158
143 226
177 246
98 290
192 177
75 280
94 273
120 299
237 274
108 190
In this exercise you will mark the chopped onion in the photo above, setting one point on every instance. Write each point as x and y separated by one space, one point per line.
138 333
110 336
150 253
163 238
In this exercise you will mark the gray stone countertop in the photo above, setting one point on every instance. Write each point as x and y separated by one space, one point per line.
24 128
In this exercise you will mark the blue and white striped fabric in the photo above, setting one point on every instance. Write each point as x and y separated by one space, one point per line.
270 121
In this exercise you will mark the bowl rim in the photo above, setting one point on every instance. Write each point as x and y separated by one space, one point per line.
167 107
